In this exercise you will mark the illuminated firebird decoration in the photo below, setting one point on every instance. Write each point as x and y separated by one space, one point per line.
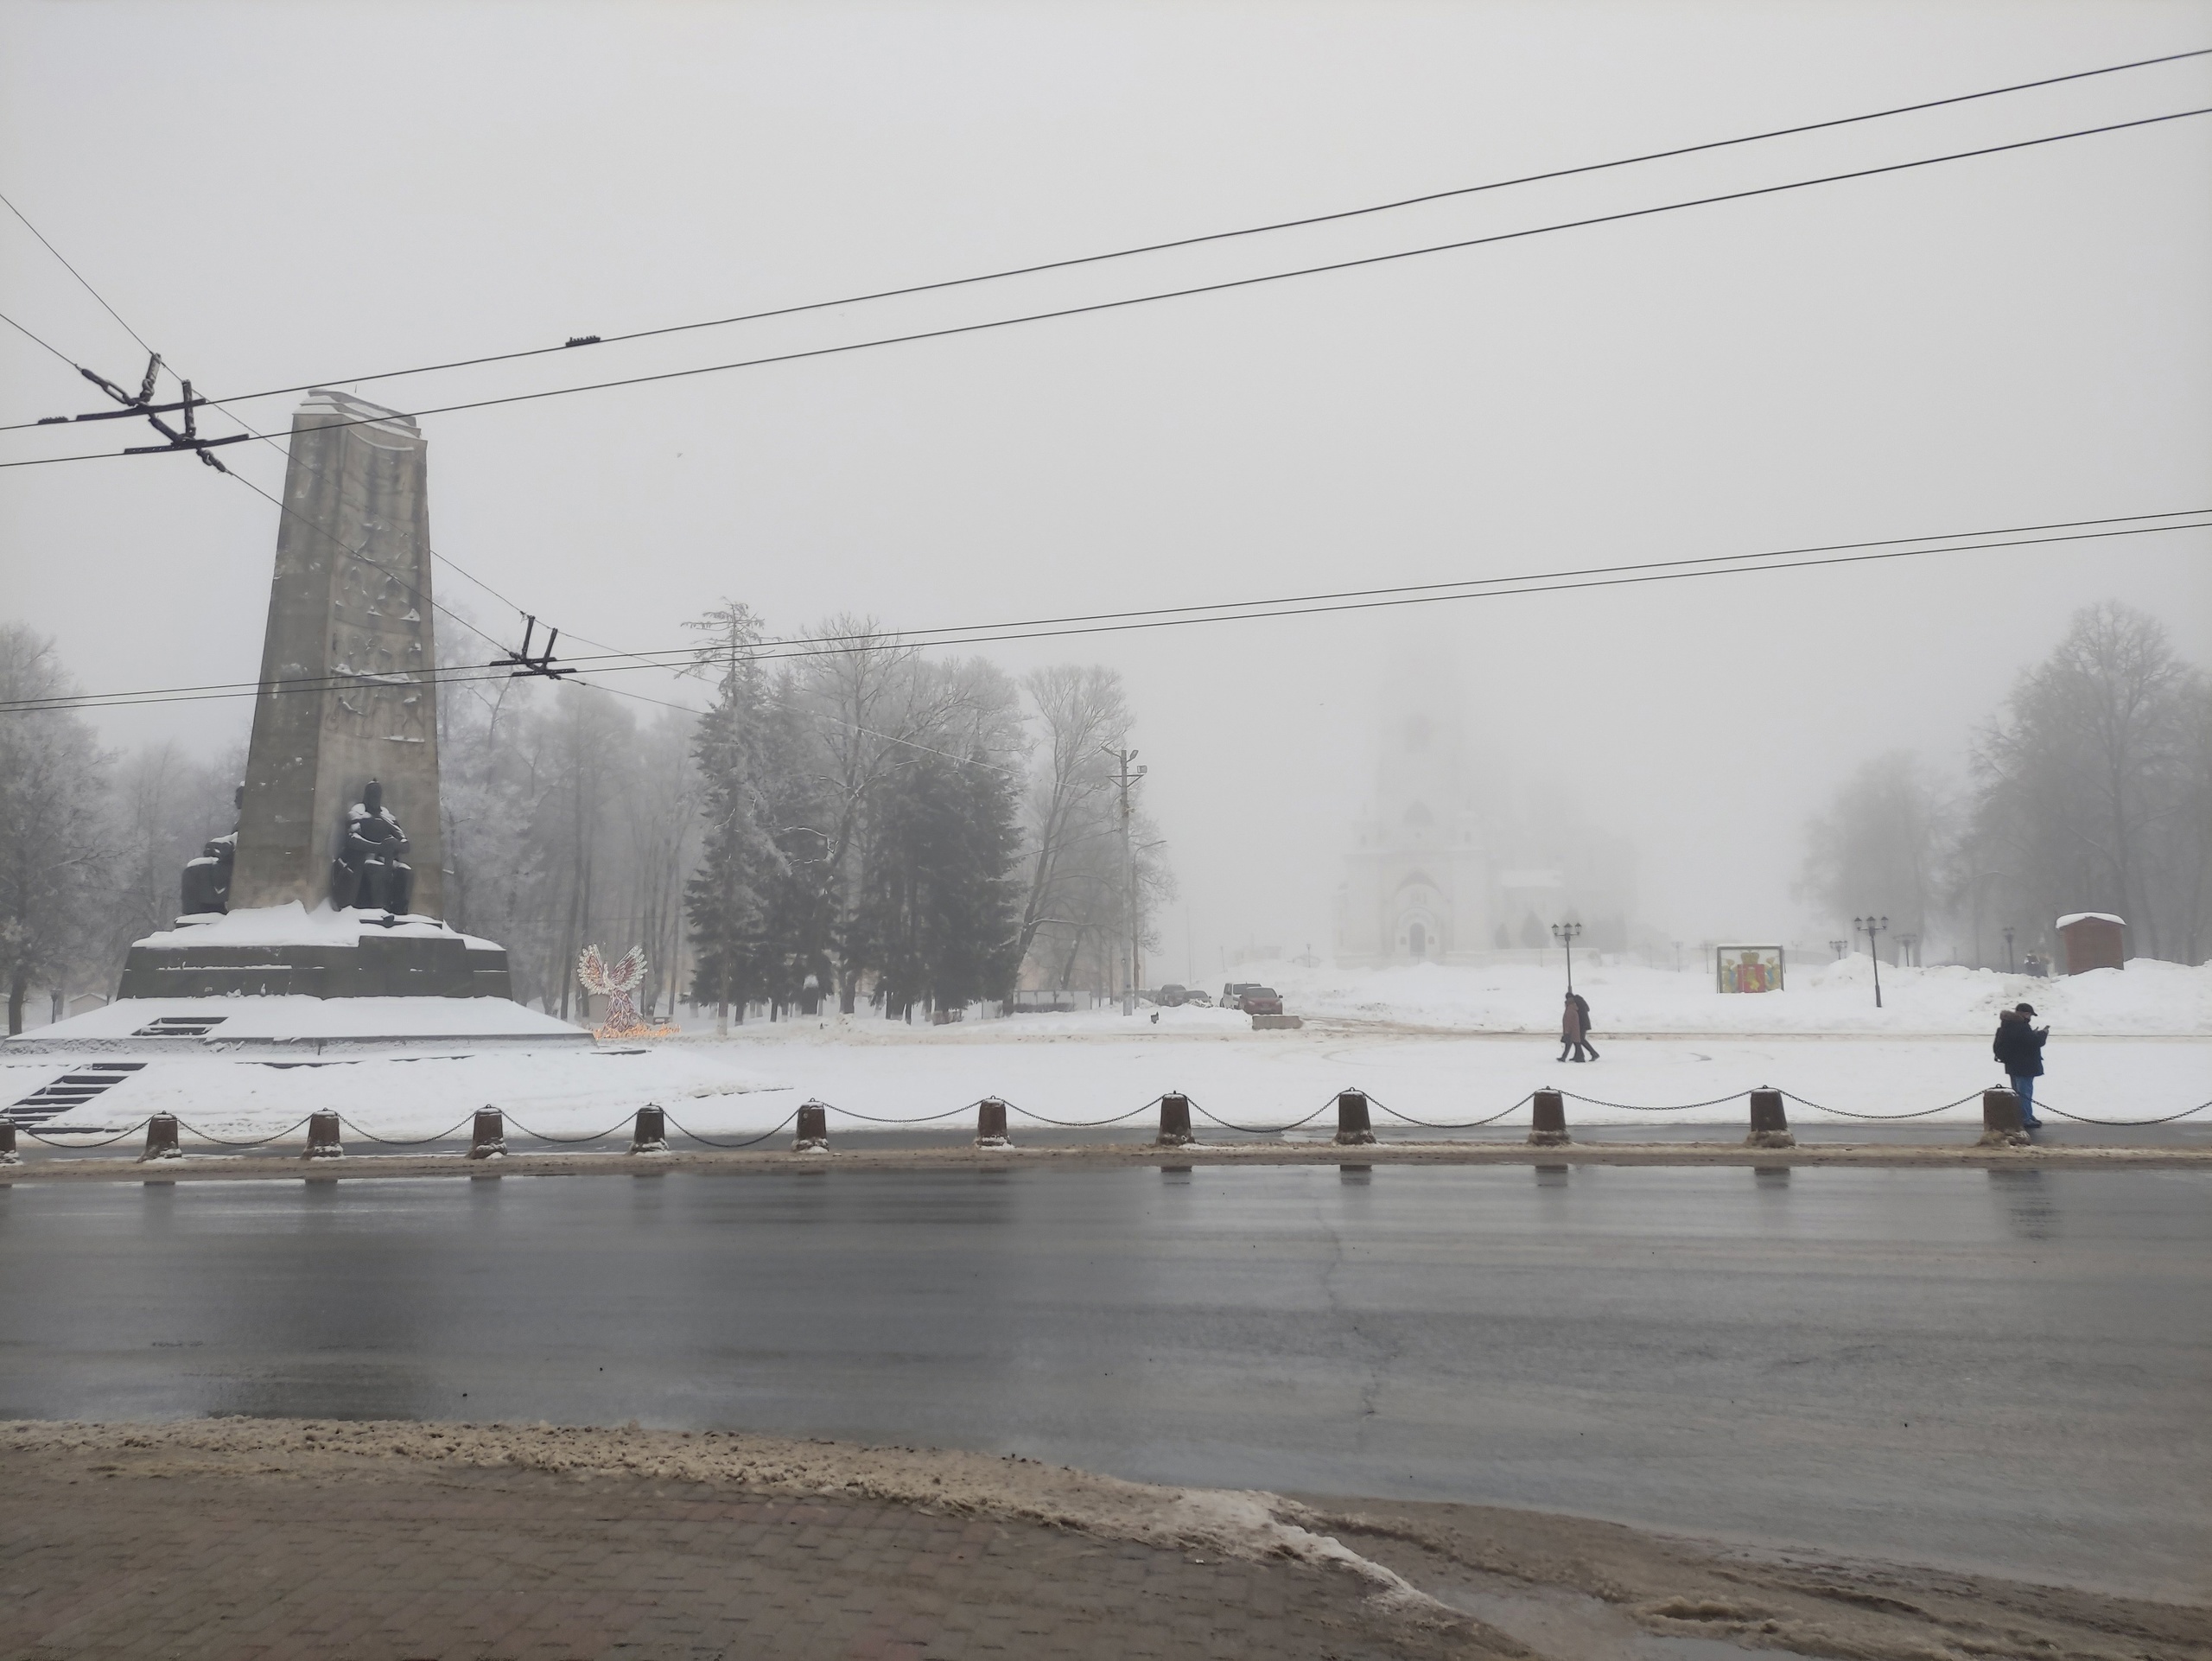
618 985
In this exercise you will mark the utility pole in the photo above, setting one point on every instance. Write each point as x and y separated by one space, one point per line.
1127 778
1871 927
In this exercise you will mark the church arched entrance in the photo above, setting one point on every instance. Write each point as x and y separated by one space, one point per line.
1416 941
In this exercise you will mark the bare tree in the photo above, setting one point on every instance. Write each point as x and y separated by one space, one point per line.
54 851
1880 846
2077 773
1079 713
870 707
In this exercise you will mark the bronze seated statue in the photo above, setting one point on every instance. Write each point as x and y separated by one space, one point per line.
207 879
370 872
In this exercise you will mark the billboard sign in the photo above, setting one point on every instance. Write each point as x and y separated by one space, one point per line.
1748 968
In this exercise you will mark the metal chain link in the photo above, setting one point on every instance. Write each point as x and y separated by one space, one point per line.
1846 1113
752 1141
2042 1106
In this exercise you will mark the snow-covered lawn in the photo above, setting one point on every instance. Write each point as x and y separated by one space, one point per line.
1436 1044
752 1081
2147 997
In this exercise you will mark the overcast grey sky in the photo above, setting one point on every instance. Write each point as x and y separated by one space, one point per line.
272 194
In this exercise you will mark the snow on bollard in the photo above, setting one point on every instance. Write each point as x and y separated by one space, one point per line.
489 1139
1352 1128
322 1137
161 1138
1769 1123
813 1134
649 1134
1175 1122
1547 1120
8 1153
990 1124
2001 1120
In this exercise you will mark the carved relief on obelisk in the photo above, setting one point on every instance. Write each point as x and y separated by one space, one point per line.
347 691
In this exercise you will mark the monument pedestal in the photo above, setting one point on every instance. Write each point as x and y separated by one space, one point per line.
284 980
286 951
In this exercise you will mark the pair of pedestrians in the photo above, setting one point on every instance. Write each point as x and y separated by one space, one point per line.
2018 1049
1574 1031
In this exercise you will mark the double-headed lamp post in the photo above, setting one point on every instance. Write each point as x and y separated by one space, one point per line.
1871 927
1565 933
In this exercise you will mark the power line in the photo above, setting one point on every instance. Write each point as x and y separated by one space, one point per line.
271 442
55 350
682 658
78 275
266 438
1232 283
1478 588
1300 223
951 631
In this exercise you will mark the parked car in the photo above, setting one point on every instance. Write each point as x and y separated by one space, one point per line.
1232 996
1199 998
1172 995
1261 1001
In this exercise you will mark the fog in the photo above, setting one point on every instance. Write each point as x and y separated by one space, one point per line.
273 196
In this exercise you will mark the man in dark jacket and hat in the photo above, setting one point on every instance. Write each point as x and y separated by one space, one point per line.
2018 1050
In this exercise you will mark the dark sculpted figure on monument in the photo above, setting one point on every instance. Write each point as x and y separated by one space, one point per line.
370 872
207 879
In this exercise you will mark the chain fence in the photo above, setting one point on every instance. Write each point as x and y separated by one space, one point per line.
64 1136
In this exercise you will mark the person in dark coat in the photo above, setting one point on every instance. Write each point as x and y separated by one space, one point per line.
2018 1048
1574 1031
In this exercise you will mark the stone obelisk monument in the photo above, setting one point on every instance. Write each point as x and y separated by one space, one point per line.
346 690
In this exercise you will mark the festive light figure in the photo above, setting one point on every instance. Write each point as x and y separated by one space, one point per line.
617 985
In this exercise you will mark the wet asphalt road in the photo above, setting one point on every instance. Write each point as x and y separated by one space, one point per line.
2004 1370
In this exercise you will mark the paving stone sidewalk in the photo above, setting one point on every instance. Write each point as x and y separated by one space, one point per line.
102 1555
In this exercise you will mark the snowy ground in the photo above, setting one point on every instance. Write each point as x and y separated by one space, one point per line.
2145 997
1435 1044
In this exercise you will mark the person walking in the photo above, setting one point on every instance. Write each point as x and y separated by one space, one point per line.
1574 1030
2018 1048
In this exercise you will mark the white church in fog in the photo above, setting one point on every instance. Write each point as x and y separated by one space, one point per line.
1433 874
1417 879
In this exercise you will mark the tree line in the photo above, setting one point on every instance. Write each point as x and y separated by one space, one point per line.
2090 789
853 824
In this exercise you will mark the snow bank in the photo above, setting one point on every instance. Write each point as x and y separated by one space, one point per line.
2146 997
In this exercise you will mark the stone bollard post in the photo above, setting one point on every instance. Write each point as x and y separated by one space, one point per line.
161 1138
322 1137
813 1134
1547 1120
1769 1123
990 1124
1352 1128
649 1134
489 1139
1175 1122
2001 1120
8 1153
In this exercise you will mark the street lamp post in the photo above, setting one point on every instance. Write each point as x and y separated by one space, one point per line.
2008 948
1565 933
1871 927
1839 947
